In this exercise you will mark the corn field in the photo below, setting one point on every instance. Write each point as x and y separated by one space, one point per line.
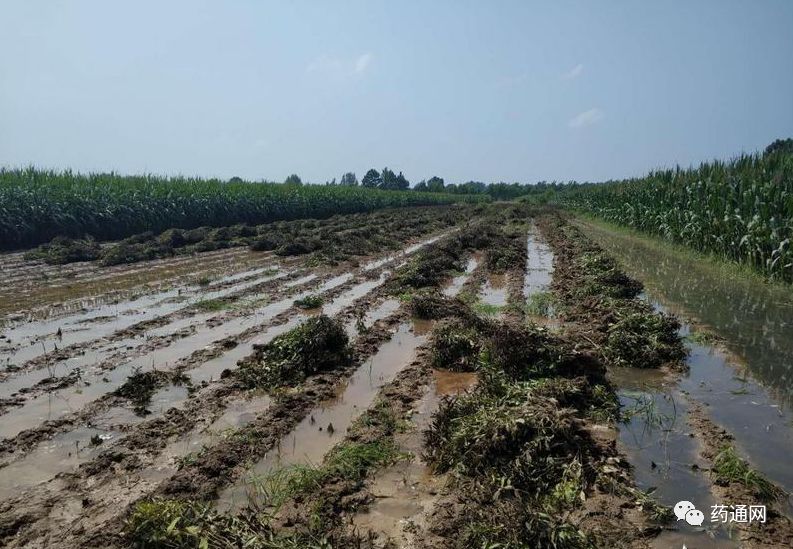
37 205
741 209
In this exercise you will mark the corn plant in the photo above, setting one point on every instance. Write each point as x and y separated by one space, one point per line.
741 210
38 205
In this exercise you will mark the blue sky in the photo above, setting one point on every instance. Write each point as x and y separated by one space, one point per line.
515 91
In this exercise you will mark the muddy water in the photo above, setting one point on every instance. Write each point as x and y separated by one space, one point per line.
658 443
59 403
371 265
494 291
755 319
64 452
237 415
327 424
381 311
58 455
406 491
51 290
456 284
37 338
748 389
212 369
539 265
744 386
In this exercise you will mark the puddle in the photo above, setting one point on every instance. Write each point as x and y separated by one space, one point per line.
312 438
63 452
238 414
59 403
407 490
755 319
746 390
371 265
422 327
384 310
302 280
40 337
453 383
539 265
493 295
176 396
456 284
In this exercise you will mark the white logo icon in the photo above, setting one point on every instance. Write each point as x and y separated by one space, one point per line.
695 518
685 510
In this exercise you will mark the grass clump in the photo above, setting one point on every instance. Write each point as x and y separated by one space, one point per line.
430 266
507 525
540 304
349 461
455 346
175 524
309 302
62 250
210 305
429 304
487 309
141 386
729 467
504 254
521 438
524 352
601 276
643 339
704 337
319 344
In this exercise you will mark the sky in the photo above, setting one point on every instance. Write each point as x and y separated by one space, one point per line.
463 89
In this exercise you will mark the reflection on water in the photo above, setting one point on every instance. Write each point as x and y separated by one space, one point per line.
755 319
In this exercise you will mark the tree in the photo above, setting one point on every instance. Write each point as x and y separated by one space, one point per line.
401 183
435 184
473 187
293 179
785 145
349 180
387 180
371 179
235 179
421 186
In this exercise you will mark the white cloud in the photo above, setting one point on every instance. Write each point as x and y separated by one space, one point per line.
586 118
575 72
363 62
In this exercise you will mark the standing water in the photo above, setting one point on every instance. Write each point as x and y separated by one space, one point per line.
746 387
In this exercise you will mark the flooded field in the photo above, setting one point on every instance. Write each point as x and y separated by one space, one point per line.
382 398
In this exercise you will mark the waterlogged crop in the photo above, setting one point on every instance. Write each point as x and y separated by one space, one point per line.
741 210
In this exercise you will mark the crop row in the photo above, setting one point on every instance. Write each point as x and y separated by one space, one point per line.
741 210
38 205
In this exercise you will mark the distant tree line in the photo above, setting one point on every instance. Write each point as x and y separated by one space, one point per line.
390 181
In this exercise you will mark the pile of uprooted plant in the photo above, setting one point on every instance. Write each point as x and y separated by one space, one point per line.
595 296
331 240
